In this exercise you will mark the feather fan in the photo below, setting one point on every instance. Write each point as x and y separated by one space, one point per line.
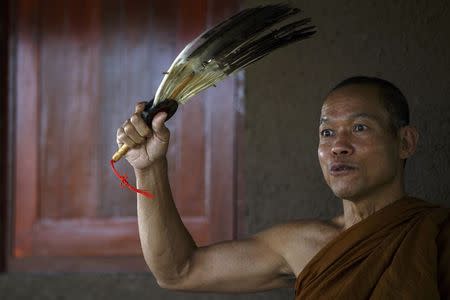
222 50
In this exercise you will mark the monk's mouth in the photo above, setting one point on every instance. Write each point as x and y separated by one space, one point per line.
341 169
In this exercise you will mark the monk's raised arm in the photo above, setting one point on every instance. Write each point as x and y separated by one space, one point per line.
177 263
169 250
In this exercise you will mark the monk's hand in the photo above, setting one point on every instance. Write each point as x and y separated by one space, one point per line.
147 145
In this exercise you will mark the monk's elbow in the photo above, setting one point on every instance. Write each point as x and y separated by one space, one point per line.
175 285
177 281
169 284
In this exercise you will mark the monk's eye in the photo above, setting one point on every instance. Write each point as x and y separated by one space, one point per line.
326 133
359 127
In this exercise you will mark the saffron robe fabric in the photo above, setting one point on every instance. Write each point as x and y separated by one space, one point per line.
400 252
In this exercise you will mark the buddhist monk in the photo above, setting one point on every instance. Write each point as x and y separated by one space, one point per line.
385 245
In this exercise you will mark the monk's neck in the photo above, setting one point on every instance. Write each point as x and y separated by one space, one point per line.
357 210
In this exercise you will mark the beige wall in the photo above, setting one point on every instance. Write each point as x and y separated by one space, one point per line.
405 42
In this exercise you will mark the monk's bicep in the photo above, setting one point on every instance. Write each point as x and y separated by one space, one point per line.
236 266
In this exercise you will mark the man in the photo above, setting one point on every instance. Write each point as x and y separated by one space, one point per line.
386 245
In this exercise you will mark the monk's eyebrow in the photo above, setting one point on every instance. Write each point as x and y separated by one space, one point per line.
364 116
325 119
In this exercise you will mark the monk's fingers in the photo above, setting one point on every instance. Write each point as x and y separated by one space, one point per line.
132 133
139 106
123 138
159 129
140 125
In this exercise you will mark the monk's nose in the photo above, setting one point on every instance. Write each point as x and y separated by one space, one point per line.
342 146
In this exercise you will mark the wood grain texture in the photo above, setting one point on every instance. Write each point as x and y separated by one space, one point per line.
69 109
26 154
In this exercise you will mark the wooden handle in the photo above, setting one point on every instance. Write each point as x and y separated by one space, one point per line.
121 152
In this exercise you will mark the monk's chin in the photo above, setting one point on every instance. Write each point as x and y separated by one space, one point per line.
346 193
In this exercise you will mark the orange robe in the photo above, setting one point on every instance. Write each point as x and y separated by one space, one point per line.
400 252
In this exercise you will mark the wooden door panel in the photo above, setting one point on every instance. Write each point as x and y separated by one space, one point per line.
68 109
80 68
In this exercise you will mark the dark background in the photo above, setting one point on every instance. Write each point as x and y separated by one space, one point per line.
405 42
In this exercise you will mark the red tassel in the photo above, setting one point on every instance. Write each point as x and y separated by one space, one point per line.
124 182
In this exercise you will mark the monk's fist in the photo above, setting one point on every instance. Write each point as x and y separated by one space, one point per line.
147 144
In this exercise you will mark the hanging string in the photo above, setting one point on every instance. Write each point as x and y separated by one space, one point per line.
125 183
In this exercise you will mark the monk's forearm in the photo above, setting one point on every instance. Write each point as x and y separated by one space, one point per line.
166 244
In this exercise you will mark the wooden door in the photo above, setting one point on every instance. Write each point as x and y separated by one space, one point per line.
80 66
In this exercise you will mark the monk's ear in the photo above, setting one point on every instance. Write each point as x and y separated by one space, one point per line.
409 137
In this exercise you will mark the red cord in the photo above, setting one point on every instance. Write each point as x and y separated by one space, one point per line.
124 182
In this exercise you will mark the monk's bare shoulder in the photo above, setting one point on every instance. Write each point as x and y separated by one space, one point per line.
299 241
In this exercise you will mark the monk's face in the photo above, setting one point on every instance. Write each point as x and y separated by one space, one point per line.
358 152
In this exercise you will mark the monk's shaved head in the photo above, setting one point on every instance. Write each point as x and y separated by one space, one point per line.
390 96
